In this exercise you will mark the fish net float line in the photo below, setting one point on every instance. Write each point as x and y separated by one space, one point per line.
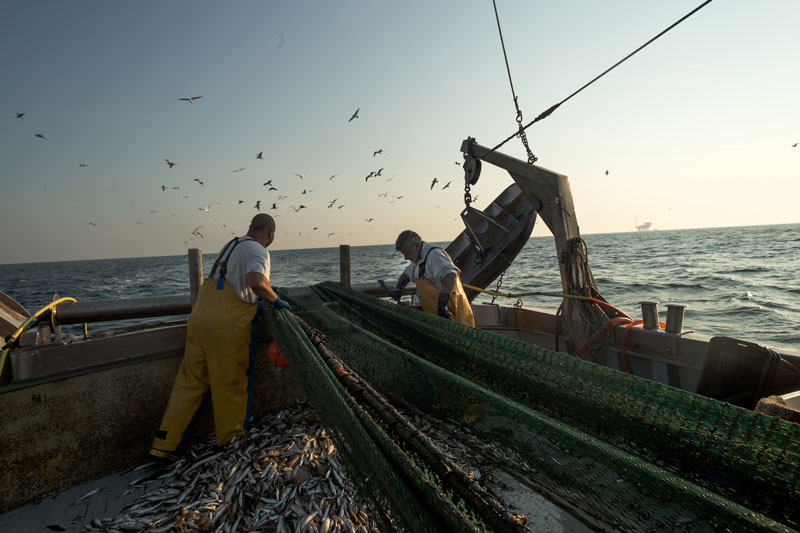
755 459
551 109
402 494
452 476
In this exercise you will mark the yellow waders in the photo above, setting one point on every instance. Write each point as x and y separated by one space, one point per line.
218 358
458 304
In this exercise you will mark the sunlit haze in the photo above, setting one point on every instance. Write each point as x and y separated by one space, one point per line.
696 130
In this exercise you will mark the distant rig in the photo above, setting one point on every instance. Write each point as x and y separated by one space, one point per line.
644 227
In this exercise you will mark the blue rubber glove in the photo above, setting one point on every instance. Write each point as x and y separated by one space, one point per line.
280 304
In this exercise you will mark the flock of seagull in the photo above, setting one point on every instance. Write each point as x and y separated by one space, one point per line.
332 204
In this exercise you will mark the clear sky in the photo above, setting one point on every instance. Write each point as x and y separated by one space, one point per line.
695 131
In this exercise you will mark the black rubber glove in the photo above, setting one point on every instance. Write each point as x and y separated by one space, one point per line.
443 311
397 292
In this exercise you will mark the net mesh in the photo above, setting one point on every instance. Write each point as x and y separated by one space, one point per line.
628 453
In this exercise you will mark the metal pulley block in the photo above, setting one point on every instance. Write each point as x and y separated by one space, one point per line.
472 170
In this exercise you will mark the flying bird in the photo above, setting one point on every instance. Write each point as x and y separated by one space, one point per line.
369 219
258 205
378 173
307 191
274 206
795 145
269 182
170 164
20 115
299 175
92 224
296 209
398 197
315 228
238 170
241 202
163 188
339 206
82 165
190 100
355 115
198 181
369 176
272 189
39 135
376 152
446 186
205 209
435 180
457 163
329 179
332 233
606 172
152 211
196 232
176 188
260 155
382 194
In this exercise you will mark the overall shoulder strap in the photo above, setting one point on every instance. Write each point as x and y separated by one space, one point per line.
421 269
223 263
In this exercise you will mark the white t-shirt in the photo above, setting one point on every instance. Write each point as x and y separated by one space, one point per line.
437 266
248 256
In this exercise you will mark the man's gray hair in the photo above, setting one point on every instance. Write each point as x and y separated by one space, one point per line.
262 222
406 238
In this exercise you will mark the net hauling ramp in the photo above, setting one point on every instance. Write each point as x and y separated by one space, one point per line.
629 453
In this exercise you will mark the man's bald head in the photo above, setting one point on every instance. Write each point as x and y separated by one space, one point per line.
262 222
262 229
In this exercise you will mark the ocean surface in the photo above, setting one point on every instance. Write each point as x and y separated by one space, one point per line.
742 282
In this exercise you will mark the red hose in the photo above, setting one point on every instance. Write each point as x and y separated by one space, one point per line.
611 323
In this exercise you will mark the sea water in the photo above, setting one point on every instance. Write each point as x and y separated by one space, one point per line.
742 282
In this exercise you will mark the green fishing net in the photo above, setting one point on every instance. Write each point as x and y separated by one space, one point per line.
619 451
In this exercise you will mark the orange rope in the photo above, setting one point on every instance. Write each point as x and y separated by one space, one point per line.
623 356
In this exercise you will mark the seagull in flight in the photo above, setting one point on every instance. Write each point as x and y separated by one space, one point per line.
82 165
92 224
446 186
20 115
435 180
241 202
238 170
163 188
332 233
272 189
260 155
170 164
457 163
369 219
795 145
329 179
198 181
382 194
274 206
339 206
269 182
296 209
258 205
378 173
190 100
39 135
299 175
369 176
376 152
205 209
196 232
606 172
355 115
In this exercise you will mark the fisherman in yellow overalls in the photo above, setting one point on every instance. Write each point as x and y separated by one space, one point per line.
219 356
438 280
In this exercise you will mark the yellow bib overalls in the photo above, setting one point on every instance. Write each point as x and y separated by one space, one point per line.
218 361
428 296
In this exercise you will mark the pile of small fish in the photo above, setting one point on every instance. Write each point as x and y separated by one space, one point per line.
282 476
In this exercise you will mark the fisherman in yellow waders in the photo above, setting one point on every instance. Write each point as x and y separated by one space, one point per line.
438 280
219 357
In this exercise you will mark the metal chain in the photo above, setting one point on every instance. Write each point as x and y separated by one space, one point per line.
524 137
499 284
467 195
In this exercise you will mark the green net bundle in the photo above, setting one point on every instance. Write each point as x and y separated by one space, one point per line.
629 453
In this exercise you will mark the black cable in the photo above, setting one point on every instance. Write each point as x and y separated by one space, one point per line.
505 56
547 112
